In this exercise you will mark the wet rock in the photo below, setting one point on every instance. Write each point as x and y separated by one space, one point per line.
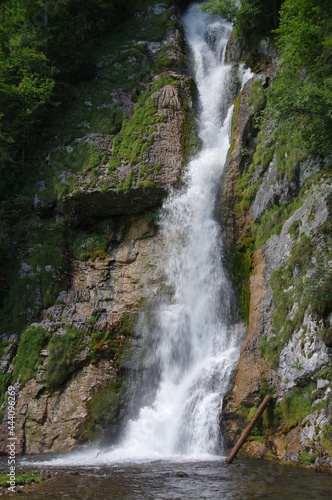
181 474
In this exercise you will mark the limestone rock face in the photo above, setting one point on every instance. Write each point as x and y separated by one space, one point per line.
242 137
104 291
252 368
296 370
101 293
271 192
51 422
163 162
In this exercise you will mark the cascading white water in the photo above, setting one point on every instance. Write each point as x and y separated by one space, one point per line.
197 351
198 345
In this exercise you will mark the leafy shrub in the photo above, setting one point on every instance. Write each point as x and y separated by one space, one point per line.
152 217
318 287
20 479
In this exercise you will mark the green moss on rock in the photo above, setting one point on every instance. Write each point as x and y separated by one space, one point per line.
32 341
240 261
63 356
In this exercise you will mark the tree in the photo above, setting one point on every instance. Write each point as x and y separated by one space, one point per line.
303 88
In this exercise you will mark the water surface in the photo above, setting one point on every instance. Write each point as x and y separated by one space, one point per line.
172 479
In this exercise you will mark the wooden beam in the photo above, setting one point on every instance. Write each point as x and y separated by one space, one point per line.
247 431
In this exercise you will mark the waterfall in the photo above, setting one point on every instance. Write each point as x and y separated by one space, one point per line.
192 338
198 346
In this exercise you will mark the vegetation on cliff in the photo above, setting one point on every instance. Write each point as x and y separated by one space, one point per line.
253 19
69 134
281 208
80 87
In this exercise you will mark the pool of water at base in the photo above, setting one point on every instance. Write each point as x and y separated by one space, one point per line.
171 479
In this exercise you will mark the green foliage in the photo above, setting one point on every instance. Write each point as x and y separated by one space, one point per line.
81 158
148 170
259 439
234 120
295 406
223 8
127 183
5 255
5 382
146 185
327 438
273 221
284 296
299 102
40 285
264 150
253 19
41 50
317 286
305 280
245 192
136 135
104 409
120 342
20 479
114 343
97 341
269 349
189 136
307 458
63 352
49 77
256 98
92 242
246 414
105 404
32 341
152 217
294 228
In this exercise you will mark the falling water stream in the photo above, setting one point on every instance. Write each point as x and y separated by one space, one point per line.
198 343
198 348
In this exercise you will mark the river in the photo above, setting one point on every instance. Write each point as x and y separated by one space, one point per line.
172 479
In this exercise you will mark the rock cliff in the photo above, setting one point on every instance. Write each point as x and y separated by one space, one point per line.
280 225
87 258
